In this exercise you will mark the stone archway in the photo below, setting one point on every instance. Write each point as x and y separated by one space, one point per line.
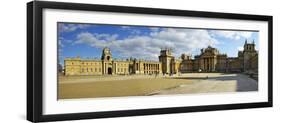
109 71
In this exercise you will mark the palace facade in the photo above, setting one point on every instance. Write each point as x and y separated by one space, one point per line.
209 60
106 65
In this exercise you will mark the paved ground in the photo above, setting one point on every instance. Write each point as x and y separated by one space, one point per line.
144 85
214 82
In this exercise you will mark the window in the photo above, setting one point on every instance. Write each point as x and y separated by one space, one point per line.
95 69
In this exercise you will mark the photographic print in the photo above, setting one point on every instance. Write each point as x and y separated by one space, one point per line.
106 60
87 61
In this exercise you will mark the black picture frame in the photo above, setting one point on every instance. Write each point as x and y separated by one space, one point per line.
35 69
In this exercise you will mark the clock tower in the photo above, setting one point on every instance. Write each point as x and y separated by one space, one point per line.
106 58
106 55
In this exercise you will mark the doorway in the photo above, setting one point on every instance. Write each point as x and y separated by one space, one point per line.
109 71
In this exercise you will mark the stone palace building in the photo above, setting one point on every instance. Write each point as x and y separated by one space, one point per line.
209 60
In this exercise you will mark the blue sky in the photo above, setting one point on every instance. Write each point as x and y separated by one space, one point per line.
144 42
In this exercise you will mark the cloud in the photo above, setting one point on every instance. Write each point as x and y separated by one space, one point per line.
125 27
61 44
71 27
149 46
96 40
233 35
240 48
106 36
62 41
131 30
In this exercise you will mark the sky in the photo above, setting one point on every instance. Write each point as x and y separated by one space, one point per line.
145 42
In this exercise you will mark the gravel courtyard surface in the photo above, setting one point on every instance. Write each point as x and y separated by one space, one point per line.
146 85
214 82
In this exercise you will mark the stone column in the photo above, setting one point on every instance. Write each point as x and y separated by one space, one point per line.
153 68
207 62
208 67
105 69
149 68
214 64
146 65
211 64
204 64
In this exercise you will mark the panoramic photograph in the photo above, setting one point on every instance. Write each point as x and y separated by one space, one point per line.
106 60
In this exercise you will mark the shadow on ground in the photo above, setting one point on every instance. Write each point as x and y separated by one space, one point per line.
244 83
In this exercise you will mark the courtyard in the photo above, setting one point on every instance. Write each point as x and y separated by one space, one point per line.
73 87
